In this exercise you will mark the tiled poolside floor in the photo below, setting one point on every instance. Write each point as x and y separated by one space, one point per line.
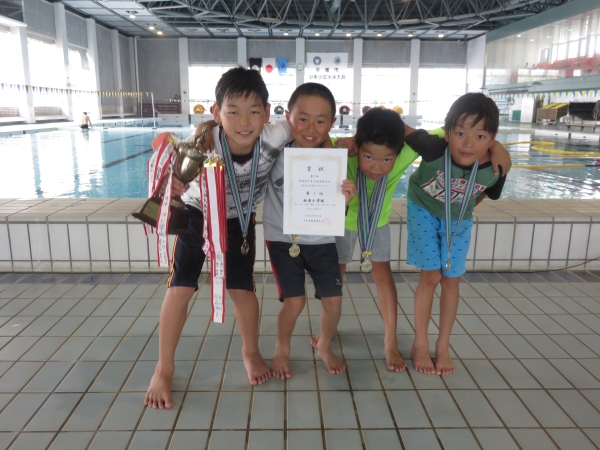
77 352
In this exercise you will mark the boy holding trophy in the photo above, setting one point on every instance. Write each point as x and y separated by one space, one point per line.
248 145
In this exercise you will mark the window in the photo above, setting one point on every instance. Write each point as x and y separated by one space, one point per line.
203 80
436 96
341 88
280 86
385 85
573 49
79 70
9 73
46 68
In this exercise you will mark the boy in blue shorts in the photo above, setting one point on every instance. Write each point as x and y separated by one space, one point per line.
454 176
249 145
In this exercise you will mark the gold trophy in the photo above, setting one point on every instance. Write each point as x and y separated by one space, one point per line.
188 164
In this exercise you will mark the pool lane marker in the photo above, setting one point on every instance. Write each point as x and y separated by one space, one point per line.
541 146
119 161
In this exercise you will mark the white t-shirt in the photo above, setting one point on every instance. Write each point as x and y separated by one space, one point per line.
272 141
273 212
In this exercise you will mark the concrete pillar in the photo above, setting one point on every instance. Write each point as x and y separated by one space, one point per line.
132 71
92 52
116 54
357 75
26 110
415 58
60 21
300 59
242 52
475 64
184 75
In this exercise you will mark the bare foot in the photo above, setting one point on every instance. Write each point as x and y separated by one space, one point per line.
314 340
280 367
158 394
394 360
333 364
443 361
422 360
256 367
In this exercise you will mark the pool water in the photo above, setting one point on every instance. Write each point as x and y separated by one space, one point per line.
112 163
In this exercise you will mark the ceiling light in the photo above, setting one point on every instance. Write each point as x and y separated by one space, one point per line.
410 35
151 27
317 34
159 32
379 34
518 35
286 33
441 35
132 16
531 40
348 34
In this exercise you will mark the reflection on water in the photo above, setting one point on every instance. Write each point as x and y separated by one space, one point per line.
113 163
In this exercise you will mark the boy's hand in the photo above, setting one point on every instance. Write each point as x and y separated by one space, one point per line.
499 156
349 190
178 188
209 143
348 143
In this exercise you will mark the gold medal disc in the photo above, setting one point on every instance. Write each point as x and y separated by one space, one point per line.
245 247
294 250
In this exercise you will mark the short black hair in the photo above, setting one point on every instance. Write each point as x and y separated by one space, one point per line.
312 89
240 82
474 104
381 127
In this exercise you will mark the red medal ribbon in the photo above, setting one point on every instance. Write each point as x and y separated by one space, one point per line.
215 232
160 166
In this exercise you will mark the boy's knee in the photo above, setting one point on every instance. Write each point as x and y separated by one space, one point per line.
431 278
331 304
381 273
295 304
449 281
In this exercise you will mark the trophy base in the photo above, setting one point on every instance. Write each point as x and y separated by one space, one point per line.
178 220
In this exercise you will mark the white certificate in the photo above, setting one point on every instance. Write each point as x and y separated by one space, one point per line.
313 200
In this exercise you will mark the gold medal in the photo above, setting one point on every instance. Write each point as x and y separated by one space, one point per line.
366 265
295 248
245 246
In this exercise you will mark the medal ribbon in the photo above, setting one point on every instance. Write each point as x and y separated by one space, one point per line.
244 218
213 200
448 200
369 211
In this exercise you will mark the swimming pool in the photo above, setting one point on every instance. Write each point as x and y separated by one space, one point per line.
112 163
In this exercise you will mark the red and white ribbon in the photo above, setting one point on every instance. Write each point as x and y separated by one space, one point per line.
213 201
160 166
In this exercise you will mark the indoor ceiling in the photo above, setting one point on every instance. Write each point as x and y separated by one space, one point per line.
318 19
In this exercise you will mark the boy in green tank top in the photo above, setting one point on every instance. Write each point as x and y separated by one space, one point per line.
454 176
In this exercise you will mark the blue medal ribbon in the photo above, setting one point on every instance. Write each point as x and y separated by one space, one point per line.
243 217
448 200
368 214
